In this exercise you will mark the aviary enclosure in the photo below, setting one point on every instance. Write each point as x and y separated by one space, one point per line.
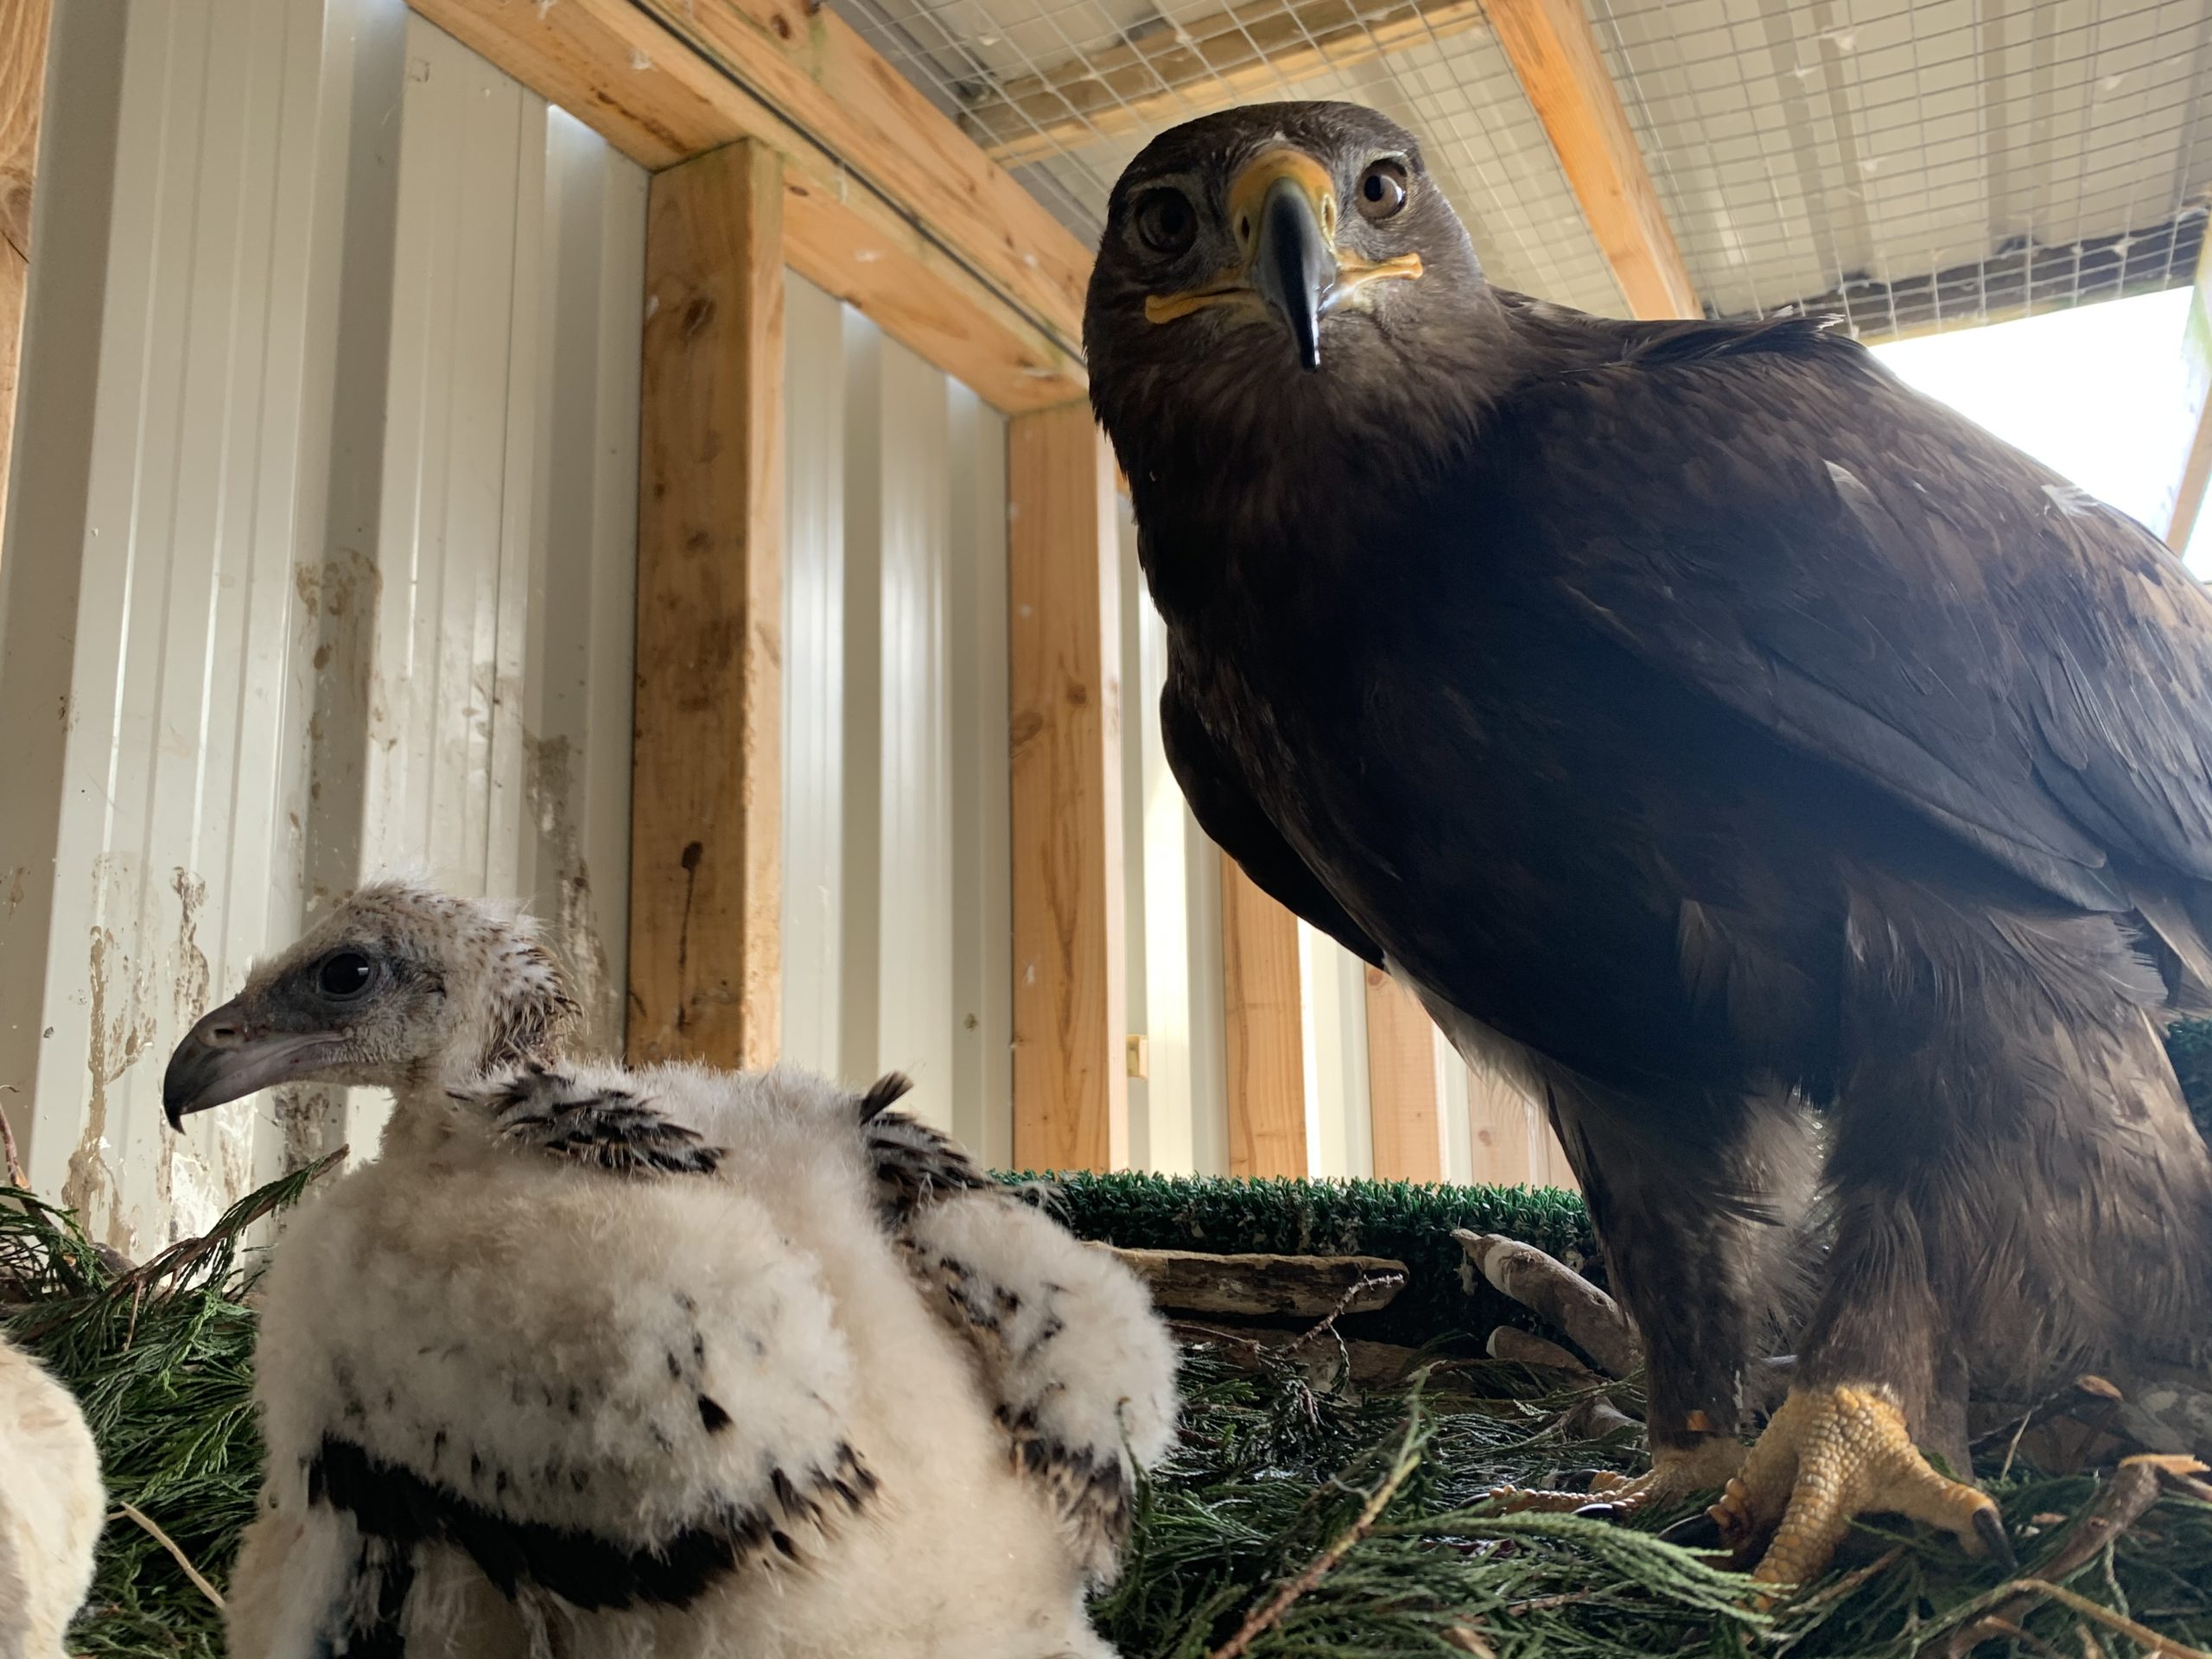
632 455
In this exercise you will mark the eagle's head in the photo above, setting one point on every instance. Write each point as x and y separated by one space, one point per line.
1274 267
400 984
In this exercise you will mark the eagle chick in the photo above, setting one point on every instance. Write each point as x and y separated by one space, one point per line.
560 1373
51 1501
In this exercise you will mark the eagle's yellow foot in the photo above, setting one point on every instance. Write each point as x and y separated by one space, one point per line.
1828 1456
1675 1473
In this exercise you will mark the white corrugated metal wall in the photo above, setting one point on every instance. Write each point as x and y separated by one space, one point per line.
897 876
320 548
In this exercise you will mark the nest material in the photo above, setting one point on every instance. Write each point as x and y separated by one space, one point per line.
1305 1514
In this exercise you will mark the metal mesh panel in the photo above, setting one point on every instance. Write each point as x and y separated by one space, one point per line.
1917 165
1065 92
1923 165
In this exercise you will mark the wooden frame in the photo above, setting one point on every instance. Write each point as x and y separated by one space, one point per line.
1561 68
1071 1056
1404 1087
888 205
706 862
1263 1030
24 25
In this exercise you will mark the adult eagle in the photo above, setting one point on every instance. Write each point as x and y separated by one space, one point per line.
1695 715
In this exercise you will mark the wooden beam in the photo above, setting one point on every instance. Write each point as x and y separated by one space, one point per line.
1264 1030
1555 55
1070 1066
1210 63
1403 1086
24 25
889 208
2188 501
1505 1132
706 807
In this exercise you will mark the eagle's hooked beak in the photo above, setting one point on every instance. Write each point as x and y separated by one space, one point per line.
1282 209
222 1060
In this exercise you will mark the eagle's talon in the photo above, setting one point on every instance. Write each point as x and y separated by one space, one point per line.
1831 1455
1989 1527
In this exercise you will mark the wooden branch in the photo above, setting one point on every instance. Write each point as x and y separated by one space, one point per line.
1071 1055
1264 1287
1556 56
706 805
1558 1293
974 275
1208 63
1402 1093
1263 1025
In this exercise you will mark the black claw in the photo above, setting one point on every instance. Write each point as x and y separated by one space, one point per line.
1583 1480
1989 1527
1699 1531
1602 1511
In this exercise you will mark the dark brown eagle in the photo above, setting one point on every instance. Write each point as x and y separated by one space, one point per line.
1811 793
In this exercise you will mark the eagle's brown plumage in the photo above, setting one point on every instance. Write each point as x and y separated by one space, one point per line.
1700 717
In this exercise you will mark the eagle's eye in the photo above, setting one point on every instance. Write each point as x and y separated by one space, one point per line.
1381 190
1167 223
344 975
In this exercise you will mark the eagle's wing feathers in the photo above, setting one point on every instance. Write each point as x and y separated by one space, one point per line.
1237 824
1882 584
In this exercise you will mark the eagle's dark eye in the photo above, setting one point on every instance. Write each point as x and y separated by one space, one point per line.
1166 222
1381 190
344 975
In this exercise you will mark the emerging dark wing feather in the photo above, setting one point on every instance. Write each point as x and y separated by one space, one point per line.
1239 827
1881 583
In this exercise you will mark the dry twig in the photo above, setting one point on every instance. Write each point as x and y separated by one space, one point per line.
168 1543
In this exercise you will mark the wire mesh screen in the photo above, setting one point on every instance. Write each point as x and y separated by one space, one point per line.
1922 165
1914 163
1065 91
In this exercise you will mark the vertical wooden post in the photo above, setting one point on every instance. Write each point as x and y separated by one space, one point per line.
707 797
24 28
1264 1030
1070 1077
1505 1126
1402 1086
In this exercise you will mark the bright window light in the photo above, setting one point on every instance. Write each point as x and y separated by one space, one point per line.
2095 393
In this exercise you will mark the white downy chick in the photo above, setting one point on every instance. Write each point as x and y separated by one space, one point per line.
555 1374
51 1501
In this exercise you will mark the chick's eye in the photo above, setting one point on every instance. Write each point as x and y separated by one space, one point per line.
344 975
1381 190
1166 222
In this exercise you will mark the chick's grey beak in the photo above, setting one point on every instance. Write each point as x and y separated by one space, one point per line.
1294 266
222 1060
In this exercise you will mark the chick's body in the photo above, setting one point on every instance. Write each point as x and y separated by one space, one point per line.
594 1361
553 1344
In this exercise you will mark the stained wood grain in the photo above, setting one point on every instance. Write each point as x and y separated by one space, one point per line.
1404 1105
1504 1127
24 26
705 850
891 207
1070 1067
1263 1030
1561 69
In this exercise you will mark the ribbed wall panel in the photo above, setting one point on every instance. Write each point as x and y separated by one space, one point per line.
333 513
